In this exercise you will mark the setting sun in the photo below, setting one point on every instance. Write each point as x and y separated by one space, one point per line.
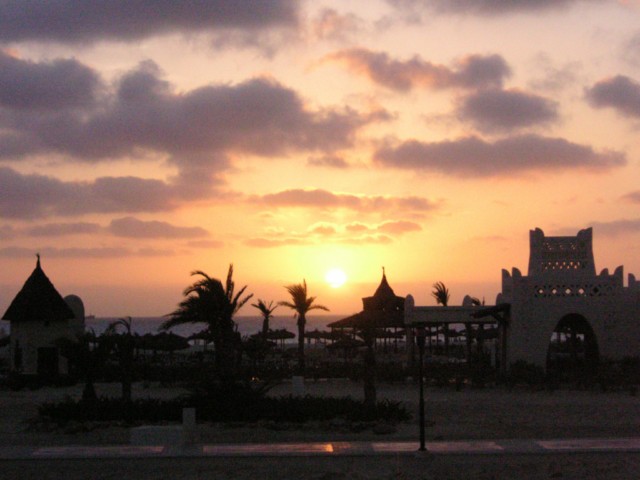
335 277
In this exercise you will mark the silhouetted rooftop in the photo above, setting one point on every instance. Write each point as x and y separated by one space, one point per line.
383 310
38 300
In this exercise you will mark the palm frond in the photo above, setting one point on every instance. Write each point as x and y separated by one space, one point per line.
440 293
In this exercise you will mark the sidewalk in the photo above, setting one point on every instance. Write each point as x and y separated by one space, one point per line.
327 449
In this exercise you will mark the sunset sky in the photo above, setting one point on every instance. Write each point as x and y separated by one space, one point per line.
140 141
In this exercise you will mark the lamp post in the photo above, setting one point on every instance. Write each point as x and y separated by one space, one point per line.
421 335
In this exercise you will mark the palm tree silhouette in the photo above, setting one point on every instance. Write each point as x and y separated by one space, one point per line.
301 304
87 353
440 293
124 348
209 302
266 309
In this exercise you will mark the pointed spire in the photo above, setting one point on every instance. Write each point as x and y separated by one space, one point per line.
384 289
38 300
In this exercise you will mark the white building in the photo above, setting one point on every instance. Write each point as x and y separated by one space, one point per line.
561 312
39 317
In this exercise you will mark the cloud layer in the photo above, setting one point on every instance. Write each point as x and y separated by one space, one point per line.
74 21
324 199
485 7
356 233
37 196
63 108
473 157
496 110
620 93
473 71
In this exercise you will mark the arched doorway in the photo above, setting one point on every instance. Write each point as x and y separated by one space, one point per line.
573 349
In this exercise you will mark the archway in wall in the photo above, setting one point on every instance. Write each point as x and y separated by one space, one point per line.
573 349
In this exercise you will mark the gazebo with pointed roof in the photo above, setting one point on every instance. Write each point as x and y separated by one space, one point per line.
39 317
38 300
384 309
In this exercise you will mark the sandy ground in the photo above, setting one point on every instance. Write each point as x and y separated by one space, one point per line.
469 414
492 413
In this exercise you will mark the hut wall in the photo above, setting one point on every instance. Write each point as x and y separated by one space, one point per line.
30 336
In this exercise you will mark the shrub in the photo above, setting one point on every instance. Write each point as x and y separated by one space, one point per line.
238 406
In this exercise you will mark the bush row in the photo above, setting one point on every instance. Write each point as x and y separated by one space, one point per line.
230 408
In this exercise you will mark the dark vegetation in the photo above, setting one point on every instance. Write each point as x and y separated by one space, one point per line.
235 406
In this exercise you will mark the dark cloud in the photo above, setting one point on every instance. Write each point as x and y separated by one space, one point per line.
474 157
89 252
35 196
620 93
75 21
485 7
63 229
496 110
324 199
633 197
62 83
617 227
134 228
196 130
613 228
128 227
474 71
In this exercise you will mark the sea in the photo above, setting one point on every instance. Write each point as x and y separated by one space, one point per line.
247 325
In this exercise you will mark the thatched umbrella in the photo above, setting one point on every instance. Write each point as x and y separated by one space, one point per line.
347 345
280 336
319 335
163 341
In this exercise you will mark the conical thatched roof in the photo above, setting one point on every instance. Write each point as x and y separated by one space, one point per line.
38 300
383 310
384 298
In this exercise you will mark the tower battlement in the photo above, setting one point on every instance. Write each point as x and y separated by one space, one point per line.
560 255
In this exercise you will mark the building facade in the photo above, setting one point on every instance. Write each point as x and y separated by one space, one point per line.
563 296
562 313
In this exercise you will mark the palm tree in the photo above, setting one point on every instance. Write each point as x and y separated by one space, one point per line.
124 346
266 309
301 304
440 293
87 354
209 302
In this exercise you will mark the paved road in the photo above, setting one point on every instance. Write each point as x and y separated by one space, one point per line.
327 449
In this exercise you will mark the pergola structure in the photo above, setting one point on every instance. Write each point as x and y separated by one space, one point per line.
469 321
